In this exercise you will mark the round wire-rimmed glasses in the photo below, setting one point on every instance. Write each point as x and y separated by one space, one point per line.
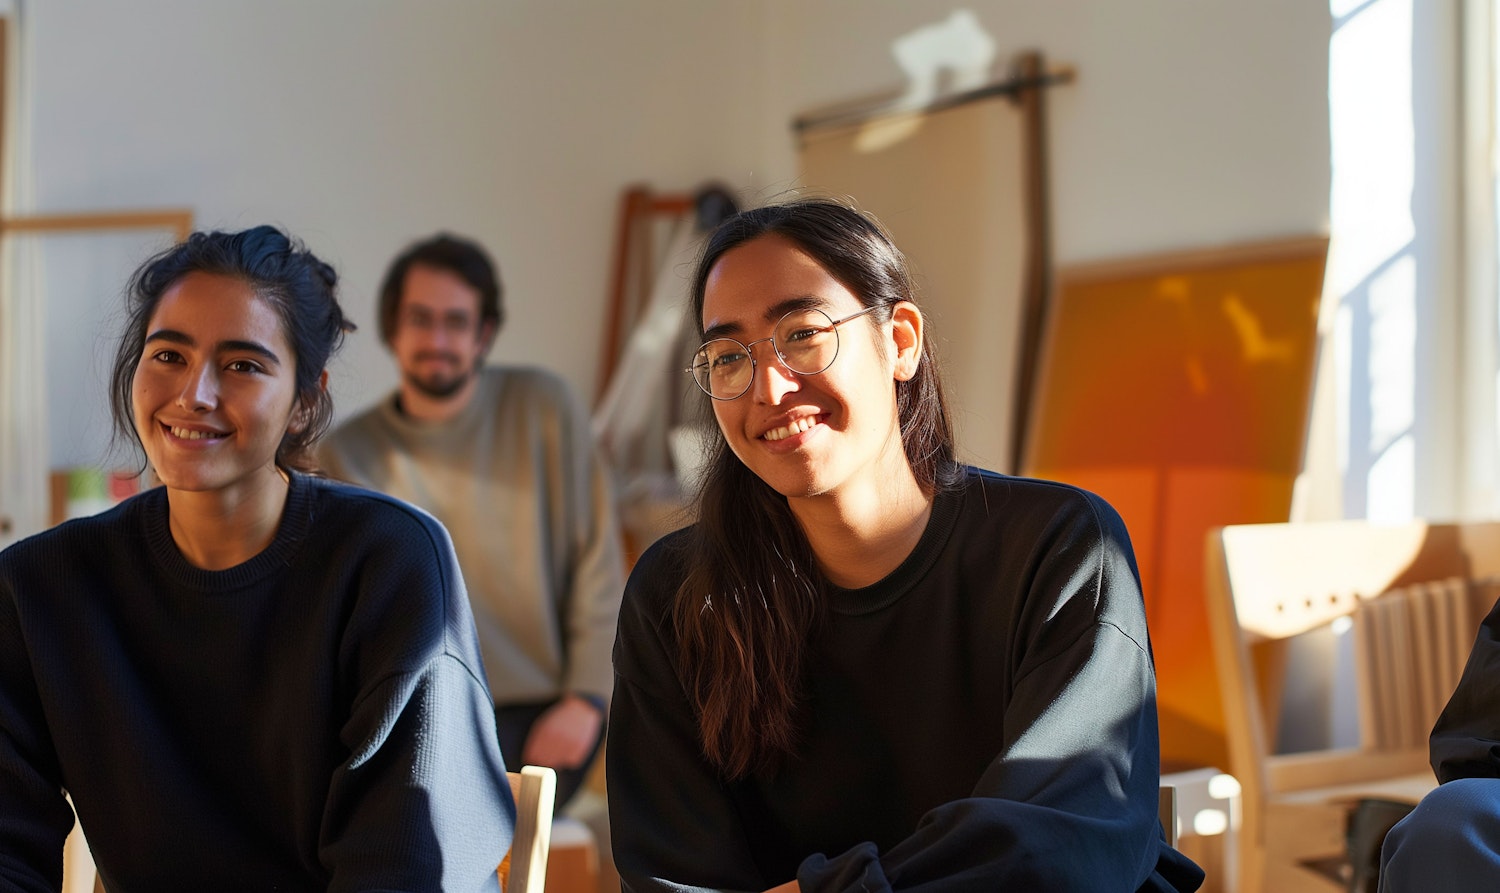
806 341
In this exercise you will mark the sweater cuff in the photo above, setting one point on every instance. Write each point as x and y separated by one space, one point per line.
597 701
858 869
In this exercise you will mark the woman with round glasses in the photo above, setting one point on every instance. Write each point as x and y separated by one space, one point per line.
867 666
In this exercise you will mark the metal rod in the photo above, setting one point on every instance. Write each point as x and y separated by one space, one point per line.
1011 87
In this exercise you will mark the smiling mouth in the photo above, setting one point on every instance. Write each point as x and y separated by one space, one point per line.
806 423
191 434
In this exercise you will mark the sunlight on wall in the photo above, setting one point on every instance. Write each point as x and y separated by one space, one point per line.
1390 489
1372 270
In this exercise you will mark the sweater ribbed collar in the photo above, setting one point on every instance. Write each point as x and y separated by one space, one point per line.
889 590
296 519
481 402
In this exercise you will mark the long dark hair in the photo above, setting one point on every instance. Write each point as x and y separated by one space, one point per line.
752 596
300 287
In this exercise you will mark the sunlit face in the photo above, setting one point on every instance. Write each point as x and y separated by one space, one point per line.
804 435
215 388
439 341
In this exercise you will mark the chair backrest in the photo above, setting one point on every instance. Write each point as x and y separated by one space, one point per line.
1267 582
525 867
1411 644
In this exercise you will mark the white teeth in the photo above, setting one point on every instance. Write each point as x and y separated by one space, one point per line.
797 427
187 434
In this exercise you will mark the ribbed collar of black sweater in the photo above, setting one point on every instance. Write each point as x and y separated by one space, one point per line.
154 515
889 590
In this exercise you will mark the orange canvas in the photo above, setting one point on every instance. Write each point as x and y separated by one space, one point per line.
1179 388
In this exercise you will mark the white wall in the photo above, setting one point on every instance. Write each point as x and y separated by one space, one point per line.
360 125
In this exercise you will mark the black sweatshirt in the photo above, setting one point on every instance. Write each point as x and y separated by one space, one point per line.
312 719
1466 739
984 718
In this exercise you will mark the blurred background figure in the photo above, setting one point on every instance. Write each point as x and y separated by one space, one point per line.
504 457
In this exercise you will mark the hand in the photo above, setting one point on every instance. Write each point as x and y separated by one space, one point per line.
563 736
789 887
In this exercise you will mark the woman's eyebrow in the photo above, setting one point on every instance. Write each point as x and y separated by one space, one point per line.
773 313
254 347
173 336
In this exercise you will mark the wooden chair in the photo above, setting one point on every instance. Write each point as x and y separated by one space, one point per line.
524 869
79 873
1167 810
550 852
1202 821
1268 582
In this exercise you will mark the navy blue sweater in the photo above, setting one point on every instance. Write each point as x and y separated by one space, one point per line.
983 719
313 719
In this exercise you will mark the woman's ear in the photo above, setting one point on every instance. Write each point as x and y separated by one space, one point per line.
906 335
303 414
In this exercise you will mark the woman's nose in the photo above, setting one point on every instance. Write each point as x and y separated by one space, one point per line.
773 380
200 391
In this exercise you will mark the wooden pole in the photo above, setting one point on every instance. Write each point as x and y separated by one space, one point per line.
1036 281
637 207
178 220
630 202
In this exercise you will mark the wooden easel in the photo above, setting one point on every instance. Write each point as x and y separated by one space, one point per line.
1026 87
631 272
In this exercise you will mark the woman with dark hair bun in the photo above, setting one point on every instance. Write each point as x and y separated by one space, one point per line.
867 666
249 677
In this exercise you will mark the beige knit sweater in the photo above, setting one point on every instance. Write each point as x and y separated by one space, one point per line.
518 483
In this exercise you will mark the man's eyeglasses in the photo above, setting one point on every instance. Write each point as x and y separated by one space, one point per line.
806 342
424 320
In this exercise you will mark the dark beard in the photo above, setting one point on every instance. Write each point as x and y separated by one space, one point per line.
440 388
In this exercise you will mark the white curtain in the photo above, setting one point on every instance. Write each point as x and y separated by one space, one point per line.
633 419
1480 419
645 421
24 448
1409 341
